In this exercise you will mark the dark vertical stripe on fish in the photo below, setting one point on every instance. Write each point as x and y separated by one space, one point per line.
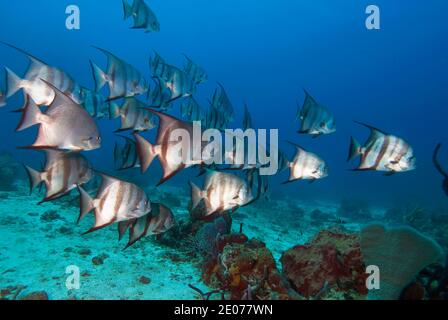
103 200
382 152
403 151
119 199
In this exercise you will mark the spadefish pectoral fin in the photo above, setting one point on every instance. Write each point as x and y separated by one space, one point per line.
355 149
31 114
99 76
146 151
85 203
139 229
13 82
34 176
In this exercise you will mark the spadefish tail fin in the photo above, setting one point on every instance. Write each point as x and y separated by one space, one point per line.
99 76
13 82
34 176
355 149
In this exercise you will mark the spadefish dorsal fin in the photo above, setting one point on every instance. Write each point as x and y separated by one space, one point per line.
60 98
309 96
296 145
107 180
373 129
111 58
107 53
375 133
247 120
158 56
165 122
221 86
30 56
187 57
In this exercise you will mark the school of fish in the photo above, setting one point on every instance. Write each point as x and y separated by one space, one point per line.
67 115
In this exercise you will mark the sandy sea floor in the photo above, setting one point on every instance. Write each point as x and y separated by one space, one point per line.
38 243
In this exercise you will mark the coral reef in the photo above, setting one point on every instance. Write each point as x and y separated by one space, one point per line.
400 253
330 263
203 253
430 284
11 292
207 236
246 269
39 295
15 293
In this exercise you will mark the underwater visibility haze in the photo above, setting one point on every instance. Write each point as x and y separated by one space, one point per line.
97 201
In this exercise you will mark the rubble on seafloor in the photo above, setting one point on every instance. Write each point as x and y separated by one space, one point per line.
323 261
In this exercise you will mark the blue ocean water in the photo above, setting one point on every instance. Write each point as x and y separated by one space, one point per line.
265 53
